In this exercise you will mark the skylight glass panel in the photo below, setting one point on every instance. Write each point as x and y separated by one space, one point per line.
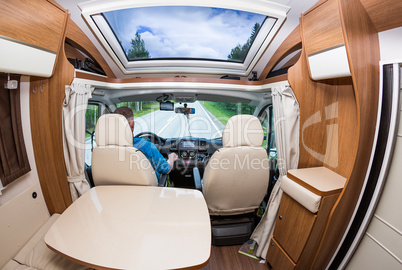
184 32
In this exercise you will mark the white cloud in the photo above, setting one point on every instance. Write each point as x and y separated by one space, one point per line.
185 31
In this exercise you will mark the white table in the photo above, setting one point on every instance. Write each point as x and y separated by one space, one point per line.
133 227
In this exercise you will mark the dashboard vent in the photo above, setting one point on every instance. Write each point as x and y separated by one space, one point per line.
173 144
203 145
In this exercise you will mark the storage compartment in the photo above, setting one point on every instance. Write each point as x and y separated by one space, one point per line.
30 36
38 23
277 259
293 226
229 231
308 197
81 59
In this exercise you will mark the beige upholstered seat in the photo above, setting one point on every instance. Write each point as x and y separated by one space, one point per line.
24 222
114 160
236 177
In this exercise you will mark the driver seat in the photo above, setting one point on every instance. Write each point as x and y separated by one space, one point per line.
114 159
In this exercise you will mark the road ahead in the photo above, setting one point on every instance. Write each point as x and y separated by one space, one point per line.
168 124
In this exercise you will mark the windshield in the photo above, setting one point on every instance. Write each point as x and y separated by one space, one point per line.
208 121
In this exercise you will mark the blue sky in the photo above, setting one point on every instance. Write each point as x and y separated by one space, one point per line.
184 31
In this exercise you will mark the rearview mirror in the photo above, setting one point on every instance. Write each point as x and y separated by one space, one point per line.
185 110
166 106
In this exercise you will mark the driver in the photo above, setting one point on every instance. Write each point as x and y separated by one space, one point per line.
158 162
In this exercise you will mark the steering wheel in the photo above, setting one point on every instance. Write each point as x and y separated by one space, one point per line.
155 139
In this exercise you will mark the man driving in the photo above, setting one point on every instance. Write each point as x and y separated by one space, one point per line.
158 162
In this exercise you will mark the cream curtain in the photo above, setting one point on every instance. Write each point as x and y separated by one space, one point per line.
287 126
74 108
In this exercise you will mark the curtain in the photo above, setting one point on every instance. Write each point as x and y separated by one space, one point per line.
286 126
74 109
13 156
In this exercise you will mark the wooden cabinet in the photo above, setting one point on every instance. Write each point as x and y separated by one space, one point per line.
325 34
35 22
323 42
308 197
31 36
293 226
277 258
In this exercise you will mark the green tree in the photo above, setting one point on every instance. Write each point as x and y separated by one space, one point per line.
254 33
138 50
239 52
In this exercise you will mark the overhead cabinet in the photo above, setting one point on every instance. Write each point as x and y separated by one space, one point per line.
30 36
324 43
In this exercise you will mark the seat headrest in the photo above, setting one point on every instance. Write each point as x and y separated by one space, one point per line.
113 129
243 130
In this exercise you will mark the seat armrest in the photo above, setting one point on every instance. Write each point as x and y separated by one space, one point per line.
163 180
197 179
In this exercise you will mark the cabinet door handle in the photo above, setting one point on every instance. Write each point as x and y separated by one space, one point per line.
280 217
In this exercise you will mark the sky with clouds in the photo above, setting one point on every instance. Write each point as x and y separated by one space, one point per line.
195 32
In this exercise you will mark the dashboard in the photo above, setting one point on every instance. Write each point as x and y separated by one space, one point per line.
191 152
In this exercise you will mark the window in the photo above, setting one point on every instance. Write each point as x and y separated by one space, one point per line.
208 121
271 135
161 32
224 110
267 121
91 117
140 107
264 123
221 37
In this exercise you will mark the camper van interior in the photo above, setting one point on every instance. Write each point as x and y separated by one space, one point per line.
200 134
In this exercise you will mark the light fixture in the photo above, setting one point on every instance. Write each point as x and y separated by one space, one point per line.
10 84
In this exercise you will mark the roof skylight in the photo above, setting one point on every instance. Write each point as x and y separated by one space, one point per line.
211 37
184 32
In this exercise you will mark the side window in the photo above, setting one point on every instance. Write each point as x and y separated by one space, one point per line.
264 123
91 117
271 134
267 121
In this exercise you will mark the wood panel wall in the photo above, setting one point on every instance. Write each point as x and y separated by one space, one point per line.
362 45
47 95
338 116
326 107
385 14
46 99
